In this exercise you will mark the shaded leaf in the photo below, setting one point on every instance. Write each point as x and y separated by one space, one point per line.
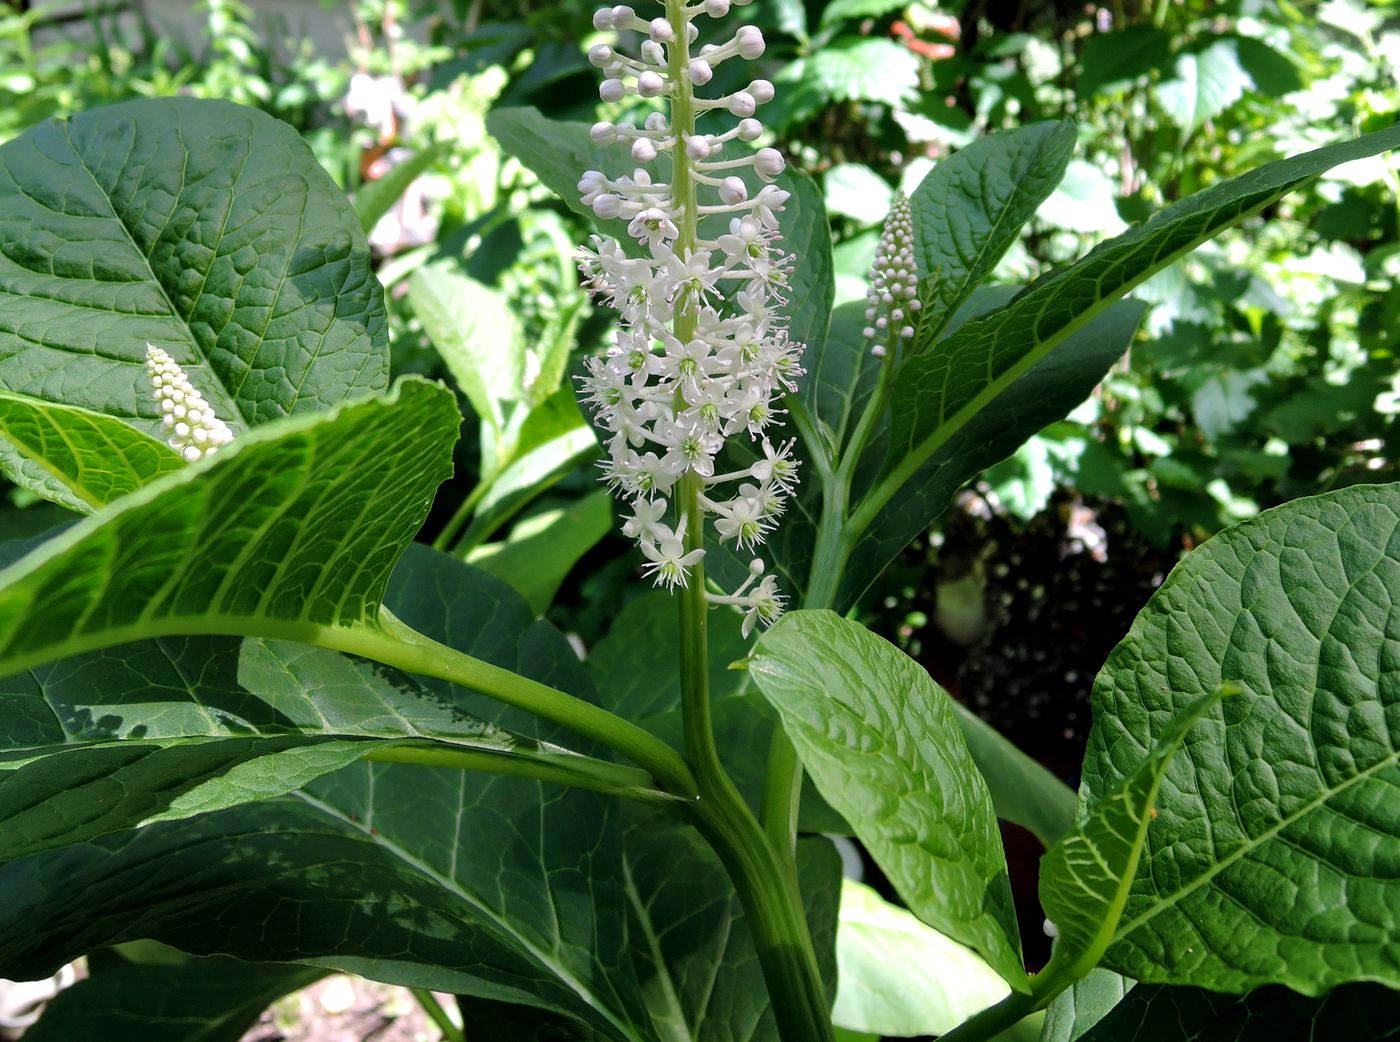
1082 1005
543 549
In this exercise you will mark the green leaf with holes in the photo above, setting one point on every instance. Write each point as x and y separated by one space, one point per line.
1275 854
1085 877
75 457
199 226
880 740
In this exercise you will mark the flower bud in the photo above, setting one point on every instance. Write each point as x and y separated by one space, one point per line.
612 90
732 191
607 206
651 85
769 162
762 91
602 19
741 103
643 151
653 52
750 130
603 133
697 147
700 72
750 41
622 16
661 30
600 54
716 8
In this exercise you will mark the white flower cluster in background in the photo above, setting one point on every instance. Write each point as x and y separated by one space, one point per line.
702 354
195 432
892 302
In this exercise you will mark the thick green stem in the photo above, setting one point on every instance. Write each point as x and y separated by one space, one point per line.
398 645
439 1016
994 1020
583 772
766 883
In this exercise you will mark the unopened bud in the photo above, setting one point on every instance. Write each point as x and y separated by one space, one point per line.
741 103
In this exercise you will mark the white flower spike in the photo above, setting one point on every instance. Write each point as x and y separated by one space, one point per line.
892 302
195 432
702 354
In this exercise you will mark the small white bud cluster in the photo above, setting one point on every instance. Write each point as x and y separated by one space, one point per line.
669 402
195 432
892 302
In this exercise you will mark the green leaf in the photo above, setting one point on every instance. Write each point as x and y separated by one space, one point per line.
1156 1013
492 886
196 1000
377 198
1207 82
938 394
1082 1005
882 746
856 68
856 191
967 444
543 549
1022 790
77 458
838 10
898 977
478 336
1111 61
1086 876
970 208
286 533
204 228
1272 856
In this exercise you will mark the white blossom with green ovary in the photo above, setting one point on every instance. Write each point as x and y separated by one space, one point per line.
195 432
668 404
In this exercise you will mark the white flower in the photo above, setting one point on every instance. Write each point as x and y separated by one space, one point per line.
195 432
703 352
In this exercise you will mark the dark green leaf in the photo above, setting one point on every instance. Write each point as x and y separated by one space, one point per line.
1274 853
80 459
881 743
201 227
1082 1005
1111 61
1156 1013
969 210
491 886
198 1000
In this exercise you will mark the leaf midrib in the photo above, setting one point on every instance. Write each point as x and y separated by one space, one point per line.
501 923
1251 845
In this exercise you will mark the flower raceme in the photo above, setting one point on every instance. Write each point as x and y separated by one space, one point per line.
702 353
195 432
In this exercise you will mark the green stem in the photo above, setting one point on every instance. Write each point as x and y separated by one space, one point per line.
782 797
395 644
765 881
433 1008
583 772
464 511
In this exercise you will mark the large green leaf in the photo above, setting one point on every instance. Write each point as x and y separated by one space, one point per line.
940 395
1157 1013
880 741
970 209
492 886
898 977
1275 856
287 532
204 228
75 457
196 1000
1085 877
1208 80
